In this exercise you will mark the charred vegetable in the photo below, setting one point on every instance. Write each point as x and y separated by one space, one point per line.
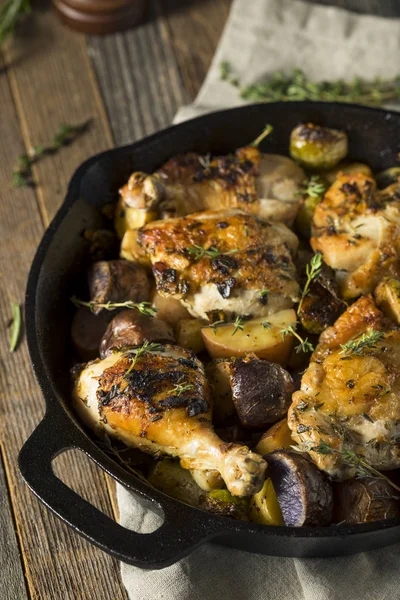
277 437
86 332
130 328
169 477
365 500
261 336
218 376
388 177
261 391
188 335
221 502
316 147
117 281
387 296
264 506
303 491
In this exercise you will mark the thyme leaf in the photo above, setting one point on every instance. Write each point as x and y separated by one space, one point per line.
238 324
312 271
144 308
304 345
136 353
15 326
179 388
366 341
314 187
199 252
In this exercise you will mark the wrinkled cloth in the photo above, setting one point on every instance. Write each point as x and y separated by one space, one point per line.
260 37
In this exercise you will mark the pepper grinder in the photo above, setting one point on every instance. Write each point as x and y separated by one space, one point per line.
99 17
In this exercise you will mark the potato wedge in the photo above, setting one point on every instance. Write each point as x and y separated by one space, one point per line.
188 335
131 250
264 507
127 217
266 341
387 296
218 376
168 476
275 438
169 310
365 501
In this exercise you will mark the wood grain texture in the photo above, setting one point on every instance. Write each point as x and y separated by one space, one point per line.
12 583
58 563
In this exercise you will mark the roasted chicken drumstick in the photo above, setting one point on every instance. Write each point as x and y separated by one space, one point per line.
156 398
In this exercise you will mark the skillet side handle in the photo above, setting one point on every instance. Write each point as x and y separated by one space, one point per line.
179 534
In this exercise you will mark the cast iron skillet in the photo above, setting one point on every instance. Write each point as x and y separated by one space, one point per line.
54 276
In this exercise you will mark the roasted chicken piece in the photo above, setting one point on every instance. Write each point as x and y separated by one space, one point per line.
266 185
347 412
157 398
226 261
357 229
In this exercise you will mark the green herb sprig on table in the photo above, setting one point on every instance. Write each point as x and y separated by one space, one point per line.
296 86
10 12
15 326
144 308
22 174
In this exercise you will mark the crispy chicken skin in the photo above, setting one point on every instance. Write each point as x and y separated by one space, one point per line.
221 261
349 401
357 230
160 402
266 185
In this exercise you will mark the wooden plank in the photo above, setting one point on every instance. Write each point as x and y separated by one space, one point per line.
57 561
12 582
139 78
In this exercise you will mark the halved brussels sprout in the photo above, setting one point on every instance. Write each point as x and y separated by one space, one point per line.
316 147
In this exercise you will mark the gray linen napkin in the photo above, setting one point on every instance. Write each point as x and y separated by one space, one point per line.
260 37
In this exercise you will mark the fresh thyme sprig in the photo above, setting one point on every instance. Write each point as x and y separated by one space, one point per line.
268 129
15 326
296 86
312 271
264 293
352 459
266 324
238 325
304 345
22 173
144 308
314 187
135 353
199 252
367 341
10 12
179 388
215 324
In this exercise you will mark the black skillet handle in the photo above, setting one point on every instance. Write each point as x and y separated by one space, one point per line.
180 533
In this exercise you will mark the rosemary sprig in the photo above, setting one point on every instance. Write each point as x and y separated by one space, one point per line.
268 129
22 173
199 252
352 459
144 308
238 325
367 341
15 326
304 345
136 353
296 86
312 271
10 12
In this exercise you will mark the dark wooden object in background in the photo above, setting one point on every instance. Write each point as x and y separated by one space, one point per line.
131 83
100 16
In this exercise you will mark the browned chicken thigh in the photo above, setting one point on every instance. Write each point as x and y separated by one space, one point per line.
226 261
156 398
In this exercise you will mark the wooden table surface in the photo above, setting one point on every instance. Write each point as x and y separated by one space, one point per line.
130 84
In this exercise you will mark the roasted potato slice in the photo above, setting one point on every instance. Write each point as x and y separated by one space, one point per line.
277 437
364 501
264 338
127 217
303 491
218 376
118 281
188 335
316 147
131 249
131 328
170 310
168 476
264 507
387 296
261 391
221 502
